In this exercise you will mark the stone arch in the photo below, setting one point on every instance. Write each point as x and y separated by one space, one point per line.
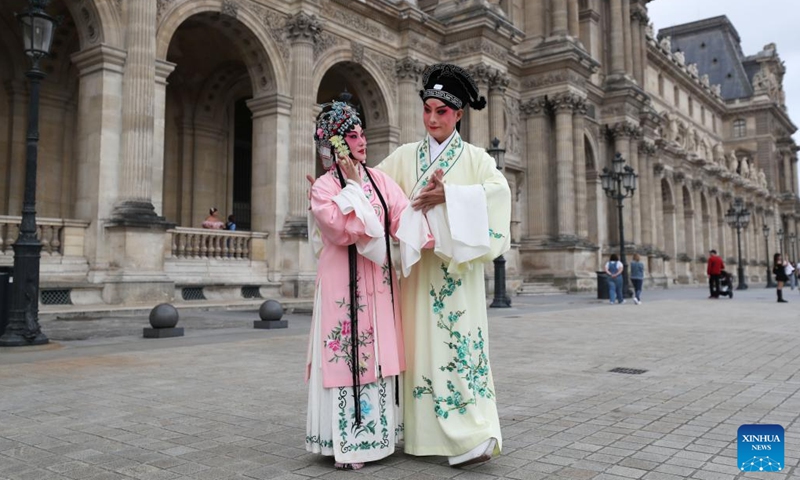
364 83
383 88
227 81
97 22
264 61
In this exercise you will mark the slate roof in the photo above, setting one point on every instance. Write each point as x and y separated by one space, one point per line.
715 46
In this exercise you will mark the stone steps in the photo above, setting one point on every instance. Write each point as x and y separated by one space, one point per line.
539 288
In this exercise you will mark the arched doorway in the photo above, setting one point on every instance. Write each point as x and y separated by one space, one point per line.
56 172
208 144
350 81
688 222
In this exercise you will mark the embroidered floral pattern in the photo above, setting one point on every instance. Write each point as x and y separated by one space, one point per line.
469 361
339 340
363 437
311 440
494 234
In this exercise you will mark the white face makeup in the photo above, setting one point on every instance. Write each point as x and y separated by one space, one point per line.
357 143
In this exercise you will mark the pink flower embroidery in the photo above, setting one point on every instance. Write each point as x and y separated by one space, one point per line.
334 345
320 132
346 328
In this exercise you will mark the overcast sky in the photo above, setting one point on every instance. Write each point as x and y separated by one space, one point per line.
758 22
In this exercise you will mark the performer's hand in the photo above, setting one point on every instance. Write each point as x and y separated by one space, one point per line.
311 180
432 194
349 167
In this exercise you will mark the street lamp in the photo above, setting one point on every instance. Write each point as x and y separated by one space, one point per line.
738 217
765 230
619 183
501 299
23 322
780 240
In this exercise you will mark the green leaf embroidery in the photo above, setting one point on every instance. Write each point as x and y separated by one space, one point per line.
469 361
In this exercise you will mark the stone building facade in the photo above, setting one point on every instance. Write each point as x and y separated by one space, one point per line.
154 111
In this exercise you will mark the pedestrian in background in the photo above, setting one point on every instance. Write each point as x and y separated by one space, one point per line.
714 271
637 278
781 275
614 270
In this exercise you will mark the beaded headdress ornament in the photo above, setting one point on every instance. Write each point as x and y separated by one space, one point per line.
336 119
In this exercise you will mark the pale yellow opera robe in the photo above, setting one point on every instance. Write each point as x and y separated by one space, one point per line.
450 400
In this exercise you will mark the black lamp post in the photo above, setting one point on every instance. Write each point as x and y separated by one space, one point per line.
738 217
23 323
619 183
765 230
501 298
780 240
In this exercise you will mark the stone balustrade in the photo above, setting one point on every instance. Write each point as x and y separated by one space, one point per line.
198 243
59 237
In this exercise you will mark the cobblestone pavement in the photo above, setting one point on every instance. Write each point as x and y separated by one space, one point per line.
228 401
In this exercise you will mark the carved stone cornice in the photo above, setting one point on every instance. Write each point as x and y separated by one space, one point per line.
624 129
303 27
565 101
408 69
481 73
640 15
534 106
499 82
648 148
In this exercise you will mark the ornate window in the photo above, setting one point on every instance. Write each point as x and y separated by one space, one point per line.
739 128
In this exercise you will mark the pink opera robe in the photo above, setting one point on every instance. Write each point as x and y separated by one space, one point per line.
346 216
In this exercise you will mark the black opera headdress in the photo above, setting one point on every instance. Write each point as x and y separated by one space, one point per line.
452 85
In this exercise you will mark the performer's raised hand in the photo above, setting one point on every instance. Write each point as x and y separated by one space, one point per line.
432 194
349 168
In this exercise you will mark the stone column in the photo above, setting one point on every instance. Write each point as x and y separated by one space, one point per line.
479 119
793 162
636 199
787 170
637 43
579 167
564 105
538 221
622 133
573 20
534 20
626 25
497 89
658 238
559 17
138 120
98 143
270 180
163 69
408 72
303 30
187 166
646 192
617 39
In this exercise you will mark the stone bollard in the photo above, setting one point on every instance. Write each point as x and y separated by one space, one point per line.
163 319
270 312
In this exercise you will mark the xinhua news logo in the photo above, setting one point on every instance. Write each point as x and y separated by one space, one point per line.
760 448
